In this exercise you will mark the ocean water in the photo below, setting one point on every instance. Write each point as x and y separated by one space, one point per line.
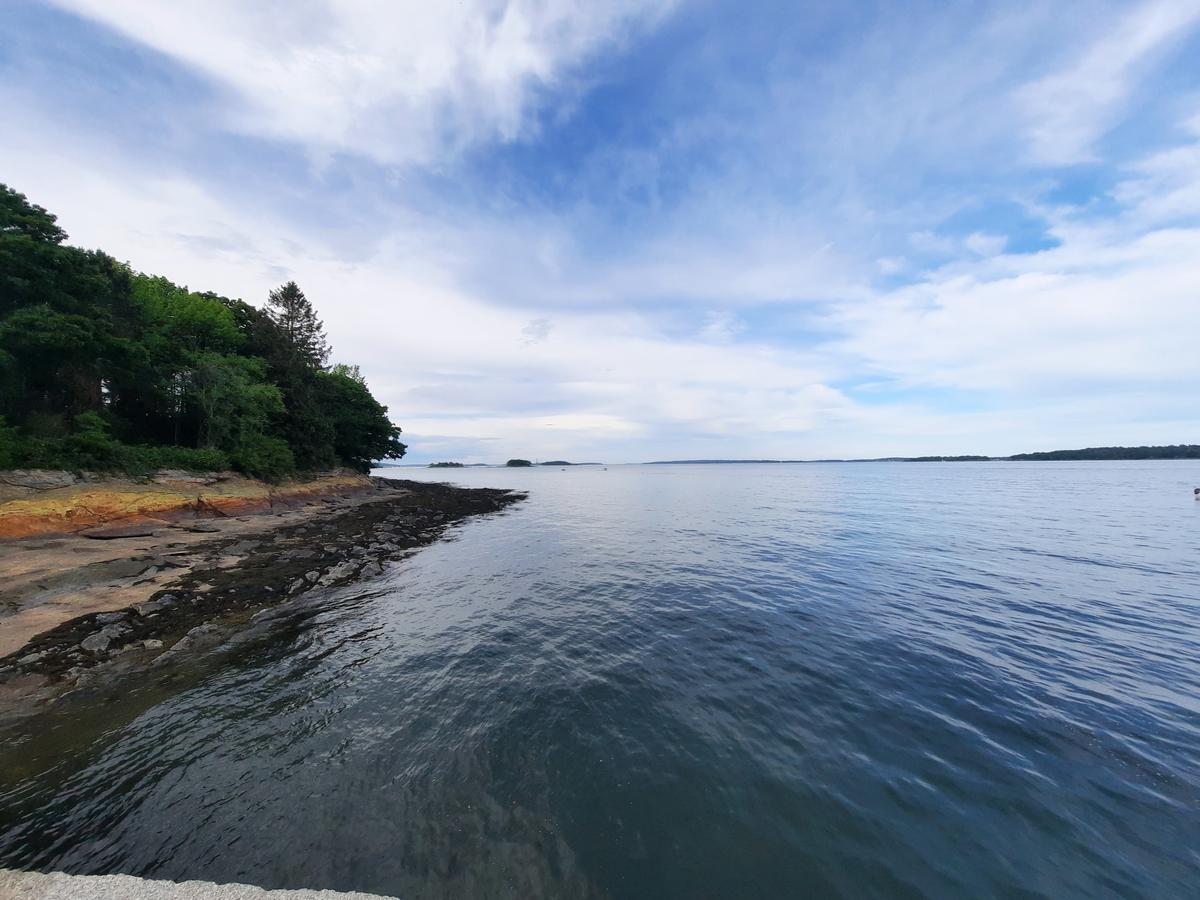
751 681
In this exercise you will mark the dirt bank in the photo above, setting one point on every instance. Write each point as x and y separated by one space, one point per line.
74 608
40 502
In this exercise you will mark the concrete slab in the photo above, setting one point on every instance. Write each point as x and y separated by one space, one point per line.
57 886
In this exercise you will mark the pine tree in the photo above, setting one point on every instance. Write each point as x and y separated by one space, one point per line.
302 331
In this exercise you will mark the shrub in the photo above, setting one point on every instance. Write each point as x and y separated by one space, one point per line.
268 458
91 446
191 458
9 446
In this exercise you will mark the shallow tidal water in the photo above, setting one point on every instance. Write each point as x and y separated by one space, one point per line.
824 680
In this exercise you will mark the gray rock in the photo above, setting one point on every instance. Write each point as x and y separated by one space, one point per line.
168 475
150 607
38 479
109 618
341 570
96 643
152 644
100 641
198 637
31 658
117 531
158 604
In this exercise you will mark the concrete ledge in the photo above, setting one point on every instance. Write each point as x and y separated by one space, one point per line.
57 886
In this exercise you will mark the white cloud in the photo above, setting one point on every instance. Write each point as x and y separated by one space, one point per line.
403 81
985 244
512 335
1068 110
1114 307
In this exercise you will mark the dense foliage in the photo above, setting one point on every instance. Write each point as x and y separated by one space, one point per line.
108 369
1172 451
517 463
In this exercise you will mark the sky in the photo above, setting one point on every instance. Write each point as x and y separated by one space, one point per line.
627 231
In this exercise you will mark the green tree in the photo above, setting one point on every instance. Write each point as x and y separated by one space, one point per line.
304 343
362 432
104 367
236 405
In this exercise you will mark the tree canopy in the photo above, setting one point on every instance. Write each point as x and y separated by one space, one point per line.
103 367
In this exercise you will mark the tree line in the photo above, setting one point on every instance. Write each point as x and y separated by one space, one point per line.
1169 451
105 368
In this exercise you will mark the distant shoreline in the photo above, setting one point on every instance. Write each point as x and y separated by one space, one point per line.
1171 451
1162 451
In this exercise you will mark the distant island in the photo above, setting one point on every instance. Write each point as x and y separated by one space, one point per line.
518 463
1170 451
945 458
446 465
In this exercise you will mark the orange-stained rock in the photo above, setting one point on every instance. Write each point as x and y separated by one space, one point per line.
98 502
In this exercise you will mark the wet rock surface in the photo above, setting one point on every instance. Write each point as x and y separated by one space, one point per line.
245 575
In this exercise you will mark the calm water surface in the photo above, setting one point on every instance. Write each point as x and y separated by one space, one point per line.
828 680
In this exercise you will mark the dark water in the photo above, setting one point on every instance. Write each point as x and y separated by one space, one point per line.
855 680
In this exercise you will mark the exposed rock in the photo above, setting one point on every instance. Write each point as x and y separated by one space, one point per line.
114 532
164 476
102 639
150 607
217 594
37 479
196 637
95 643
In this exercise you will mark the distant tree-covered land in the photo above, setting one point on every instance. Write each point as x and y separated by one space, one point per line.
516 463
1174 451
446 465
1171 451
105 368
945 458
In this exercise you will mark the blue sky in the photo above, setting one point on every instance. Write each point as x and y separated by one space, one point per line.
629 231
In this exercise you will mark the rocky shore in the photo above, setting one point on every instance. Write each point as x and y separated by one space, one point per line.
163 592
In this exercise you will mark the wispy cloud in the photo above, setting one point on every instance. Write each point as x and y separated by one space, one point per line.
404 82
1069 109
